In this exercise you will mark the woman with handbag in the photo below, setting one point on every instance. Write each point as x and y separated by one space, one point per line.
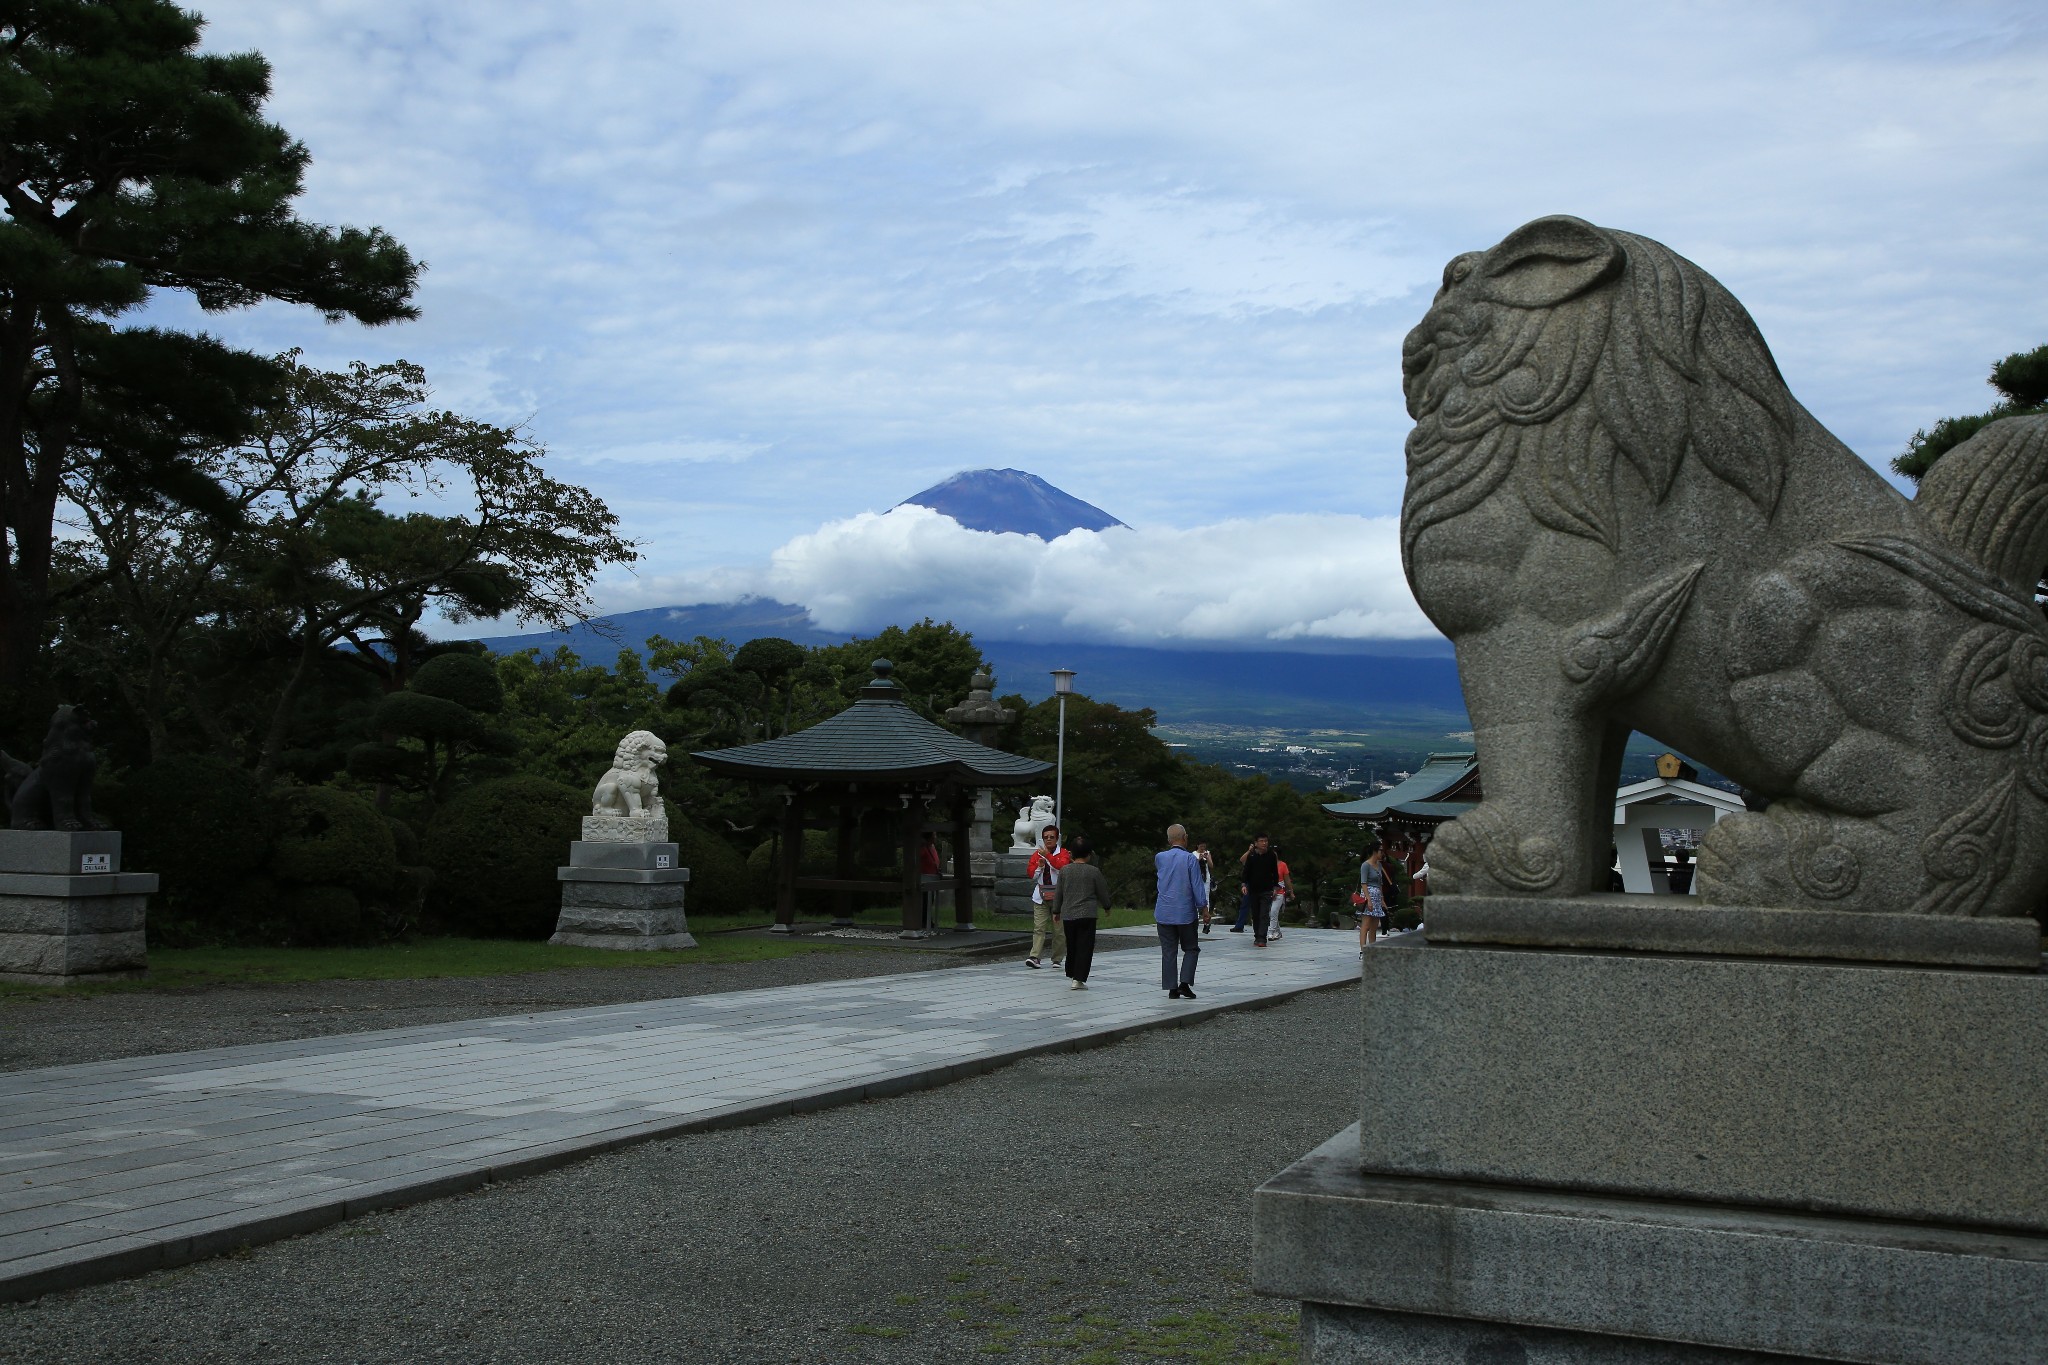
1371 898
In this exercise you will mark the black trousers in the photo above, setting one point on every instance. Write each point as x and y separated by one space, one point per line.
1261 902
1080 947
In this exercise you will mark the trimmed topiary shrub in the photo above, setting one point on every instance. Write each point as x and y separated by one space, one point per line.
199 823
404 842
719 880
322 916
329 837
468 680
494 850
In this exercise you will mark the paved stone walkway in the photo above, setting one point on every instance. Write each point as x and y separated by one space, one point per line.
112 1168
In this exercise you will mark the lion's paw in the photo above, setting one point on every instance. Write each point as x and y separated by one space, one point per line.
1483 853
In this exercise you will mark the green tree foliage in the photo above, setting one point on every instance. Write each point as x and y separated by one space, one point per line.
935 663
330 837
136 164
494 850
765 688
1123 785
199 823
445 716
2021 381
312 570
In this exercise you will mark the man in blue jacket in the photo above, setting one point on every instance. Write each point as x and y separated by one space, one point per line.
1183 895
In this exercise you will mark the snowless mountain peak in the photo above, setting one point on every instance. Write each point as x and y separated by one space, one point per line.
1011 500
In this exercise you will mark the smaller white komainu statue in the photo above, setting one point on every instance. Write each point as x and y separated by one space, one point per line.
631 788
626 808
1031 822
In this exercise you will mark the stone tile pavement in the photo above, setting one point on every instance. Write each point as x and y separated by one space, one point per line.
117 1167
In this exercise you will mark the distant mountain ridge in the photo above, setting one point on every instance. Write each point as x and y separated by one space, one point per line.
1328 683
1012 500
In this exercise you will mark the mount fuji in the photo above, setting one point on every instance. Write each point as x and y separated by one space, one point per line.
1011 500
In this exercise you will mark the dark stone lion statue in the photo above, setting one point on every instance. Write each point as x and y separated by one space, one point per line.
1624 521
57 794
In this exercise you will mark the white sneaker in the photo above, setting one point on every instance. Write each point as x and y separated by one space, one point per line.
1077 985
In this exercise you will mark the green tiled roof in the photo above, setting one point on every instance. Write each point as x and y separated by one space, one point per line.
878 738
1418 795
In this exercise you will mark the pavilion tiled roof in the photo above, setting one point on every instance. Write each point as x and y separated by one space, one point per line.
1422 795
878 738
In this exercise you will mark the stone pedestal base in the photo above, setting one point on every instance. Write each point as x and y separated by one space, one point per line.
1443 1267
1332 1335
1012 884
67 911
626 896
1771 1139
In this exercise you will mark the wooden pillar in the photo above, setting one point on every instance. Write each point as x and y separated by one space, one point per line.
791 854
911 843
849 829
963 869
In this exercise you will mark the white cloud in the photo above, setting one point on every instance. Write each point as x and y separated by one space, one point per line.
1272 578
750 268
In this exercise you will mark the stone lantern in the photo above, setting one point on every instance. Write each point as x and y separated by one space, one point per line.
980 718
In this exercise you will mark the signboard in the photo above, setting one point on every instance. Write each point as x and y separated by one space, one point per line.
95 862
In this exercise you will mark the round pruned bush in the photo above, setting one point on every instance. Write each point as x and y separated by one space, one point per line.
329 837
199 823
719 880
323 916
468 680
494 850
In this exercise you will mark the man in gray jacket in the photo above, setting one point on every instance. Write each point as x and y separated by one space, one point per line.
1083 894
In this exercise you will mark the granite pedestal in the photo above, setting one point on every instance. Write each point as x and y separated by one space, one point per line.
68 912
1722 1151
622 895
1013 883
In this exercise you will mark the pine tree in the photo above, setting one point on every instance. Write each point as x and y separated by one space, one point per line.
2021 380
131 163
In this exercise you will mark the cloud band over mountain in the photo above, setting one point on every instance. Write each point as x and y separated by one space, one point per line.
1287 577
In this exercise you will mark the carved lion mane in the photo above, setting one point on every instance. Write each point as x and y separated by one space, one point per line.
640 751
1649 359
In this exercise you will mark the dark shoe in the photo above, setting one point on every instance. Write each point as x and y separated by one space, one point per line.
1238 929
1187 992
1173 993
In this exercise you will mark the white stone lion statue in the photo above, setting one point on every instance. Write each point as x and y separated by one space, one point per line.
1031 821
631 788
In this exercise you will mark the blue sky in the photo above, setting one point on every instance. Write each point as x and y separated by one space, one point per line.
757 272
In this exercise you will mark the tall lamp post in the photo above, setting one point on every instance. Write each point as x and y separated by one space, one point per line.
1062 685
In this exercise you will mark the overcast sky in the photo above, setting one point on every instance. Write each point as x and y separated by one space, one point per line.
753 271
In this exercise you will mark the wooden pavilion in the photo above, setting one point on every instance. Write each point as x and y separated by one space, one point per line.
877 755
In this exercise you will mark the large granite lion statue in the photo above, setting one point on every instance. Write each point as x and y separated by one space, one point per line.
631 786
1624 521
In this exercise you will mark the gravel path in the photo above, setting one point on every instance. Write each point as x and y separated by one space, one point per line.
1089 1206
56 1030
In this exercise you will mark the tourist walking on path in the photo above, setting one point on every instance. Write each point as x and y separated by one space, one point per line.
1183 895
1083 895
1281 889
1044 870
1208 882
1372 884
1261 874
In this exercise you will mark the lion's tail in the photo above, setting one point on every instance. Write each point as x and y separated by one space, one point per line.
1989 499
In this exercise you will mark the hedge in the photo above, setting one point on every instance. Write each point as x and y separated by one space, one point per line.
494 850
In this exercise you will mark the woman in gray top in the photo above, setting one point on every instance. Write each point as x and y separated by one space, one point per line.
1083 895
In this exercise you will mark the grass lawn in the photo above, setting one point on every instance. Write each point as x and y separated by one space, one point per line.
192 968
185 968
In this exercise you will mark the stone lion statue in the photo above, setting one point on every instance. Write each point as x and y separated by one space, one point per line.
631 788
57 794
1624 521
1031 822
